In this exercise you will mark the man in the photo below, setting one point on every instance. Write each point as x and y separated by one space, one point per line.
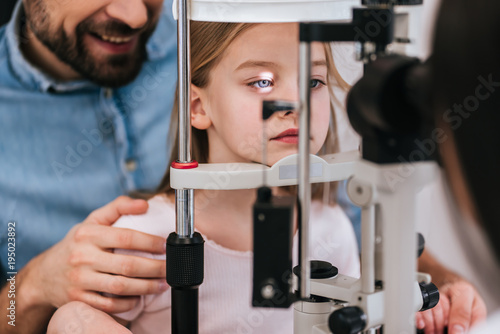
86 90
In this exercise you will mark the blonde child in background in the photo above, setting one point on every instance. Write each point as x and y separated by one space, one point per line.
234 68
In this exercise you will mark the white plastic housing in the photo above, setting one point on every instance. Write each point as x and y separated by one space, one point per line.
261 11
229 176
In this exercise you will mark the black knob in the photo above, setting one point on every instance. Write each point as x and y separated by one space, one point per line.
347 320
430 296
420 244
319 269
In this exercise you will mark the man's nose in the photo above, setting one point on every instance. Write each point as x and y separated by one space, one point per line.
131 12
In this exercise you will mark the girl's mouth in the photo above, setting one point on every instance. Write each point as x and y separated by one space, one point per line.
290 136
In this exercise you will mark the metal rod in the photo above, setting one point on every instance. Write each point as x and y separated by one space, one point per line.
184 80
184 247
368 249
184 211
264 152
184 200
304 185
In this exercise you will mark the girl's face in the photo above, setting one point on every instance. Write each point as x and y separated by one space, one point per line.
261 64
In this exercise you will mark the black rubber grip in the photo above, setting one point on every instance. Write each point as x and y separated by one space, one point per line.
185 261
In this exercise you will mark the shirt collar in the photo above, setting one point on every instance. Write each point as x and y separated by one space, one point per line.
159 45
33 78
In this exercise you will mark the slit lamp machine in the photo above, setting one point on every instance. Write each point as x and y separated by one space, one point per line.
385 108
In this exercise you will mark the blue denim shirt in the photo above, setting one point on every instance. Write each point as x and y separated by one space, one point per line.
69 148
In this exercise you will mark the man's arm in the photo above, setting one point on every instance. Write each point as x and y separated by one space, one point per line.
460 305
28 318
82 266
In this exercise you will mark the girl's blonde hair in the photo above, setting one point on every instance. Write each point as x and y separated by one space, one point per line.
209 41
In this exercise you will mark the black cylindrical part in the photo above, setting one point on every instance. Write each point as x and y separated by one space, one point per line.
430 296
185 311
185 257
347 320
420 244
184 261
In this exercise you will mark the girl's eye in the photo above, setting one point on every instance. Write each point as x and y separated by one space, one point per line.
315 83
261 84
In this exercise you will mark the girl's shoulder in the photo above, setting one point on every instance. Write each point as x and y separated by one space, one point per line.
324 212
326 220
158 220
334 238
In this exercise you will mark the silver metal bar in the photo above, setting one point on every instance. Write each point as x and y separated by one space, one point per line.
368 249
184 211
184 199
304 185
184 80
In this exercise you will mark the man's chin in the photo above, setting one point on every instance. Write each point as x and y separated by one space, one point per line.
113 79
112 73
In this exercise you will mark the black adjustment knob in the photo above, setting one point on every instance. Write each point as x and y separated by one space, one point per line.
421 244
319 269
430 296
347 320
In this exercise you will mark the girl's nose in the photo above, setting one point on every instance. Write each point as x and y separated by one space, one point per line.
288 113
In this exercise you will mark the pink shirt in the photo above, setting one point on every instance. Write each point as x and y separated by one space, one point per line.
225 295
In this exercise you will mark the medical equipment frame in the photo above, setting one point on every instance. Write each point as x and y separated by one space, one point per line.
388 244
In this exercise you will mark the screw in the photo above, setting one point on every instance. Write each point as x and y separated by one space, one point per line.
267 291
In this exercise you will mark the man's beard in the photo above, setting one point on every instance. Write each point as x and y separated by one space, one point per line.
108 71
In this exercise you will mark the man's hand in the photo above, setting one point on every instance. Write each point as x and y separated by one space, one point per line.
460 305
82 266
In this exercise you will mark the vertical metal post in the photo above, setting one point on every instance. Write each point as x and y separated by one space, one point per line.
184 198
184 80
399 246
368 249
304 185
184 211
185 252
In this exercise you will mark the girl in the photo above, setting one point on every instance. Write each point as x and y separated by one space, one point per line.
234 68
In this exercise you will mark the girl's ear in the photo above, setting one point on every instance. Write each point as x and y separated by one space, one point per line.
199 118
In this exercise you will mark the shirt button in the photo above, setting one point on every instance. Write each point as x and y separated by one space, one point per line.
108 93
131 165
